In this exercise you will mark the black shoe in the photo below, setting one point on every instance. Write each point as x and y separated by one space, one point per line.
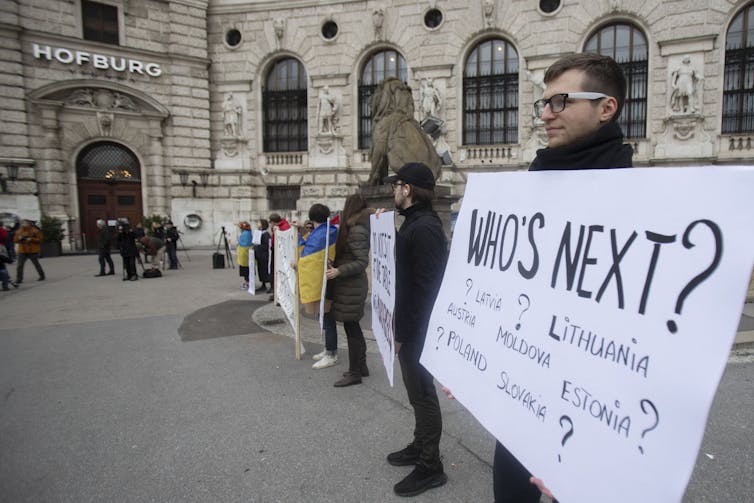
41 278
269 290
15 283
404 457
421 479
261 288
111 273
100 274
348 380
271 298
5 288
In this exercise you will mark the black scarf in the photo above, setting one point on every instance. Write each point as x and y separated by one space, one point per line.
603 149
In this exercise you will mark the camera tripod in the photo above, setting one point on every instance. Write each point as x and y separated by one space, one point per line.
223 239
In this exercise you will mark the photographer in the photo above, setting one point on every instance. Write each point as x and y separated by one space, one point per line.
171 243
29 239
155 247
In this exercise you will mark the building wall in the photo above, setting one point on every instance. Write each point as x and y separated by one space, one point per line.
174 122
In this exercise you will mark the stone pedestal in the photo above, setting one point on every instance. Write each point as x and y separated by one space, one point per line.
234 154
381 196
328 152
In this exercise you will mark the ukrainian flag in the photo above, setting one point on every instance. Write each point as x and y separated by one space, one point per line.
311 263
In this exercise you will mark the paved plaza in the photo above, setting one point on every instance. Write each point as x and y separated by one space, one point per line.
186 389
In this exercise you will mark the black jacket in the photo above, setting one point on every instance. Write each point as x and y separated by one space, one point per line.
421 252
127 244
103 239
603 149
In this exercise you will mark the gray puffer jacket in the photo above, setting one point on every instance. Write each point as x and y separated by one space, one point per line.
349 290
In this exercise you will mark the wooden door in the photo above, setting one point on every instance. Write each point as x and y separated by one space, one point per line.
108 201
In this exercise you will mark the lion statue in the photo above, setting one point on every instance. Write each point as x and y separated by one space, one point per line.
397 138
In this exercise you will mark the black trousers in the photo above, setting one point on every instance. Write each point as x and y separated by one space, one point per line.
510 479
129 265
423 398
104 256
22 258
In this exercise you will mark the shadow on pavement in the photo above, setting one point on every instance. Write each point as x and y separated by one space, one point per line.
232 317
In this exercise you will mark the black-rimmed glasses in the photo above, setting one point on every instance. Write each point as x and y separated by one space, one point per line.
397 184
558 102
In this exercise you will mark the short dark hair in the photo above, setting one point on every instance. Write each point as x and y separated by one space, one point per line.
275 218
263 223
601 75
319 213
421 195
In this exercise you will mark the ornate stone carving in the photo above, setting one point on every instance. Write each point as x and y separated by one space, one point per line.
430 99
488 10
278 24
104 99
232 117
105 122
685 82
378 20
327 112
229 146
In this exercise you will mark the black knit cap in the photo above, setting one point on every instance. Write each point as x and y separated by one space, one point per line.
413 173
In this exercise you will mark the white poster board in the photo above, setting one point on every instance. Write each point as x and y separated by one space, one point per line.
585 319
382 244
286 243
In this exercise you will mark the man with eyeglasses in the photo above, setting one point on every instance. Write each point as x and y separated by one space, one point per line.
582 101
421 253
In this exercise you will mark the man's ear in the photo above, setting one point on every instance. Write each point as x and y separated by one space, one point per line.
608 109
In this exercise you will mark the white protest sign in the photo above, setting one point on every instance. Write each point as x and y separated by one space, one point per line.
382 243
585 319
285 277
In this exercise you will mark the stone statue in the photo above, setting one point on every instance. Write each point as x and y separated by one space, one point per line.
430 99
378 20
231 116
327 110
397 137
685 80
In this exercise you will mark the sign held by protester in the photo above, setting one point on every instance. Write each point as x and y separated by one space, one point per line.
382 244
285 274
585 319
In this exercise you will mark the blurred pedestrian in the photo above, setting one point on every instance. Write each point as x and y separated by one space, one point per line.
171 244
128 251
262 255
29 239
103 249
244 243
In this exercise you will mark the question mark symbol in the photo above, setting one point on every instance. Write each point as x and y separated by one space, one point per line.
644 402
699 278
469 284
528 304
442 332
568 434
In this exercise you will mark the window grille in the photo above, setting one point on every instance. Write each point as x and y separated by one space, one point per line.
285 108
381 65
738 89
108 161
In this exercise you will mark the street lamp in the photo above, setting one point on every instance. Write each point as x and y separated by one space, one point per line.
205 178
183 175
13 172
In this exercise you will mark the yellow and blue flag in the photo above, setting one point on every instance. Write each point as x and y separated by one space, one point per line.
311 263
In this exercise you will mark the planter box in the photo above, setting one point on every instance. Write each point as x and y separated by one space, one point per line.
51 249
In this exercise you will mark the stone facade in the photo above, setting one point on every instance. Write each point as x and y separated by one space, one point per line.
174 115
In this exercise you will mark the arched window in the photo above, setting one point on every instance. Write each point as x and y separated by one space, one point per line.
738 91
284 107
108 161
490 94
379 66
627 45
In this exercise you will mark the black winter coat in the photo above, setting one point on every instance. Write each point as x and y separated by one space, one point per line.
602 150
349 289
421 252
127 244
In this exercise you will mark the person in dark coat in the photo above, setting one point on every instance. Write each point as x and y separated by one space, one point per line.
103 249
171 243
583 133
349 284
421 252
262 255
128 251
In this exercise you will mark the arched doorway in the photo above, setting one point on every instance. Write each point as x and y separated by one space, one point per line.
109 183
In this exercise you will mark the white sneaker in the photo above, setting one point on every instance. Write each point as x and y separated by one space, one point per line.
319 356
326 361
